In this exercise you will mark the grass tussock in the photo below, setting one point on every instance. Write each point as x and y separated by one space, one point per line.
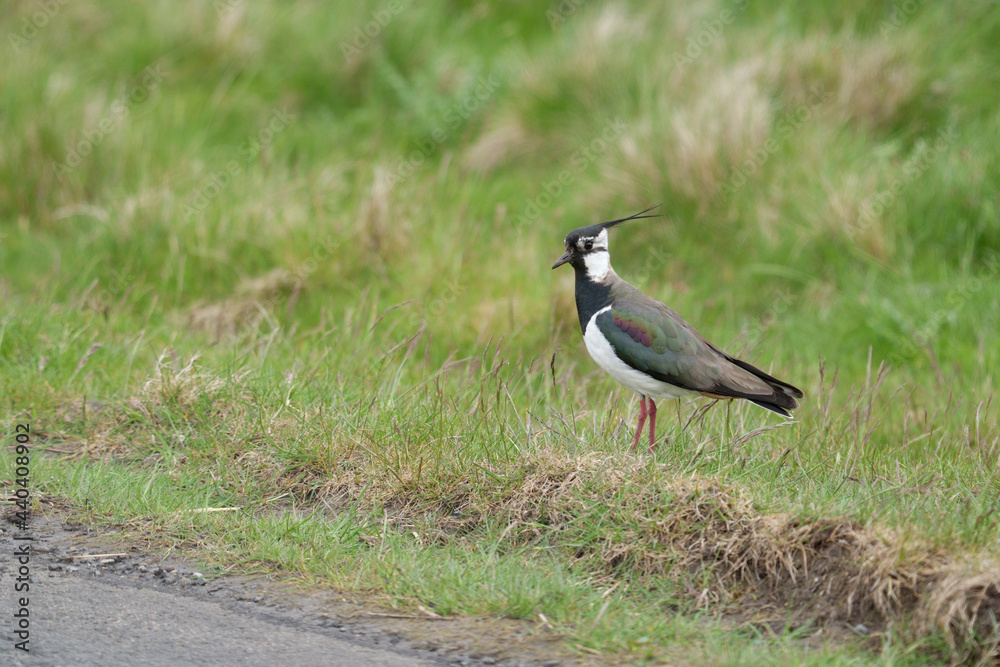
251 305
172 402
711 540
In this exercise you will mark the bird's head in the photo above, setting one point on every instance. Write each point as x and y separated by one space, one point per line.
587 247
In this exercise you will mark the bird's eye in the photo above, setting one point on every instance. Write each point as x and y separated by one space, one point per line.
589 245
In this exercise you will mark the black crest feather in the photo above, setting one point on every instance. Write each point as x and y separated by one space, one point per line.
637 216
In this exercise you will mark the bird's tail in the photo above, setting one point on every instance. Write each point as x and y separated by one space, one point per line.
784 397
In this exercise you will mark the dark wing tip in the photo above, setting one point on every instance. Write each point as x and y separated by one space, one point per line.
780 387
773 408
784 398
794 393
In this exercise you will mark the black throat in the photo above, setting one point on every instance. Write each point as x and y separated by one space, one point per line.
590 296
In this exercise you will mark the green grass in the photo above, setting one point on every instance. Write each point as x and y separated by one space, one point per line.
356 249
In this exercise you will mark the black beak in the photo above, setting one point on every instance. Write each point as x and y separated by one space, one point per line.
562 260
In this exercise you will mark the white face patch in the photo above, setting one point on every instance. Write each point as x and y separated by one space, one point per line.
598 264
597 259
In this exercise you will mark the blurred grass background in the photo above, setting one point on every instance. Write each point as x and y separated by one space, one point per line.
259 184
770 146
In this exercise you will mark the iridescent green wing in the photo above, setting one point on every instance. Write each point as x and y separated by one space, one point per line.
651 338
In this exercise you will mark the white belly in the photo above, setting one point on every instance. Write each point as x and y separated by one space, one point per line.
602 352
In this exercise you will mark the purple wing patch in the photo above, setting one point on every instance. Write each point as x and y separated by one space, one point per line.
633 330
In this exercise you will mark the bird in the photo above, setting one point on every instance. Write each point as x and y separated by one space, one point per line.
649 348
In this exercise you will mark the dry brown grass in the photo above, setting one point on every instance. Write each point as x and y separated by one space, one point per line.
709 539
501 141
248 307
831 569
872 81
122 428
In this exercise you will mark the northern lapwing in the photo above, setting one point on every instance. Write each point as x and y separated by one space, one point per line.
649 348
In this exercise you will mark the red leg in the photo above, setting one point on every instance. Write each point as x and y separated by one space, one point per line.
652 426
642 420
